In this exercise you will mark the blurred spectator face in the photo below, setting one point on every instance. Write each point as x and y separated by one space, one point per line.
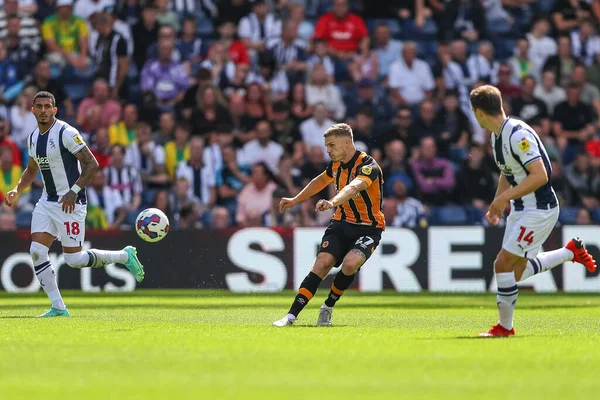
320 48
504 75
582 162
117 154
528 86
404 118
259 176
290 31
340 8
523 47
208 97
189 28
263 132
573 95
162 5
316 155
100 91
165 50
196 149
487 51
227 30
364 122
396 151
564 47
579 74
3 52
130 115
42 70
583 217
297 12
6 158
237 106
143 134
161 201
541 27
260 9
390 209
102 140
458 50
318 75
181 135
427 111
8 221
98 180
149 16
451 102
65 12
320 113
220 218
280 116
586 29
399 189
166 122
229 155
13 26
428 149
366 92
298 92
409 52
181 188
104 23
382 34
11 7
166 32
241 72
548 80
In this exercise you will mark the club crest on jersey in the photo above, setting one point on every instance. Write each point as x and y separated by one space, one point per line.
367 170
325 244
524 144
504 168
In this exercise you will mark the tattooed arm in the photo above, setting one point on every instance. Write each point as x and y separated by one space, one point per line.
89 166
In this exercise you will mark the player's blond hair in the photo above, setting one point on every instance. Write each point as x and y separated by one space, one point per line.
488 99
339 130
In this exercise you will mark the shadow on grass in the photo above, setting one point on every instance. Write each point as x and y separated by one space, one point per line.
251 305
17 316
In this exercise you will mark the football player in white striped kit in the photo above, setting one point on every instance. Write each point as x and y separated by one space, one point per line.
524 182
67 166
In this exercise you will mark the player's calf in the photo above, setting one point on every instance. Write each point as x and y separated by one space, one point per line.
45 274
95 258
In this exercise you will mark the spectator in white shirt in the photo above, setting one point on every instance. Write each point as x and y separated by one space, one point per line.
521 65
410 78
259 29
313 128
319 90
201 176
541 46
387 49
146 156
262 149
549 92
585 42
482 66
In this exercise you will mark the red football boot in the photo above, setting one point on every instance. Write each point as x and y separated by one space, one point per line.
581 255
498 331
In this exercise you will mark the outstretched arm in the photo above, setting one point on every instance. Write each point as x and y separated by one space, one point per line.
27 178
315 186
349 191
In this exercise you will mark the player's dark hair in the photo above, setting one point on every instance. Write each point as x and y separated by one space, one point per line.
45 95
338 130
488 99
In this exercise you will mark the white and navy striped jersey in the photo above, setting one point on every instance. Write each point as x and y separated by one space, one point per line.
515 147
54 152
126 181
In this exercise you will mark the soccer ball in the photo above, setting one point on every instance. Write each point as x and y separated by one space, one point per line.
152 225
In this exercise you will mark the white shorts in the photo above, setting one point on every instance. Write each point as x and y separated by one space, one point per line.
68 228
527 231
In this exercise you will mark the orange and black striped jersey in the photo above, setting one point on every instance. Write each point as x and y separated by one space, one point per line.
365 208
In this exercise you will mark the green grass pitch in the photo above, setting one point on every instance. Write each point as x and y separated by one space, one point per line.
168 344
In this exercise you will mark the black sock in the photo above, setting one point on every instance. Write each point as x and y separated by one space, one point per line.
340 284
307 290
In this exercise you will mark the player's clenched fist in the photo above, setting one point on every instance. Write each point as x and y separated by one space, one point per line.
323 205
10 197
286 203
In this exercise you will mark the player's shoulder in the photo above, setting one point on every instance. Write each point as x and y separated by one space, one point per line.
365 159
519 128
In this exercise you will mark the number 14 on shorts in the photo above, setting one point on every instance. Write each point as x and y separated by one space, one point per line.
525 236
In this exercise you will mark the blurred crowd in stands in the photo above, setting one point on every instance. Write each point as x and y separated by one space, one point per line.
212 110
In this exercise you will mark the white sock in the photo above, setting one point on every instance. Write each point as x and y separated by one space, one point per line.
47 277
506 298
546 261
101 258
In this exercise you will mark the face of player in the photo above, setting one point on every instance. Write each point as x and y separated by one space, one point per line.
338 147
44 111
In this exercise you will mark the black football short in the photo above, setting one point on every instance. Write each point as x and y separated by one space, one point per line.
341 237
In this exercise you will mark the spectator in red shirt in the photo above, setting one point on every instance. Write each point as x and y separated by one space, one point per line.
343 32
505 85
101 148
238 53
6 141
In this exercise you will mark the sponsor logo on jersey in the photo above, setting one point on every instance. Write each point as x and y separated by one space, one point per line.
524 144
504 168
43 162
78 139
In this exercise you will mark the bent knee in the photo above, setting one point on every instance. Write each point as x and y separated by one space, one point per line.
323 264
506 262
353 261
76 260
39 253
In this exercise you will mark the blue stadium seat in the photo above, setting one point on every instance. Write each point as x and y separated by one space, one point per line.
451 215
595 214
568 216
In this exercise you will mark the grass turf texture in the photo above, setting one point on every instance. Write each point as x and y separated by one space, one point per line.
182 344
